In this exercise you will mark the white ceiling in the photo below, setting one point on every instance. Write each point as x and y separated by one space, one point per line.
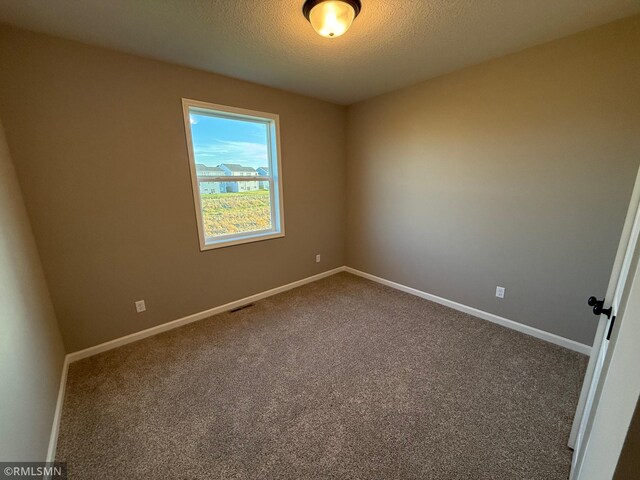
393 43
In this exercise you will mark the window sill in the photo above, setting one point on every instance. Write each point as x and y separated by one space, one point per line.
250 238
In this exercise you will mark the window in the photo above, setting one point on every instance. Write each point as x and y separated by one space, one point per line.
234 155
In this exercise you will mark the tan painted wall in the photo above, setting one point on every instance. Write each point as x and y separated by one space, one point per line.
516 172
31 350
98 142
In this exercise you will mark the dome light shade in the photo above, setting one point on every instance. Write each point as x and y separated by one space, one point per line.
331 18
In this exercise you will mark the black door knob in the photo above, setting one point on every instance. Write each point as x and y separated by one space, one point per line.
598 307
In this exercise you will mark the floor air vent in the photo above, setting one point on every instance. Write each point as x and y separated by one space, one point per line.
241 308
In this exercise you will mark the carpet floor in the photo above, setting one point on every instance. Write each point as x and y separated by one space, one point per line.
342 378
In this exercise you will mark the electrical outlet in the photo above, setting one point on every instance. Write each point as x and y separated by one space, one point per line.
317 258
500 292
140 306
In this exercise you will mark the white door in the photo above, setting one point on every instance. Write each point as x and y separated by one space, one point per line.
609 306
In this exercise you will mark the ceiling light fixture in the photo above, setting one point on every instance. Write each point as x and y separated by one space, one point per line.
331 18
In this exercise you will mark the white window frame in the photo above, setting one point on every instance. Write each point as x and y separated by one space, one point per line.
272 120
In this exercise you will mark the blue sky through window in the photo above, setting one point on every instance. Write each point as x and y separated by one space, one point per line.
222 140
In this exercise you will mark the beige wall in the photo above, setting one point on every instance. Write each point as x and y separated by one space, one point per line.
98 142
31 350
516 172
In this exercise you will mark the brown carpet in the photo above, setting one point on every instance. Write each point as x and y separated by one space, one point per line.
342 378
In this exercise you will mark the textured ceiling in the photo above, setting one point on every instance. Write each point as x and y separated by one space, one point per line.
393 43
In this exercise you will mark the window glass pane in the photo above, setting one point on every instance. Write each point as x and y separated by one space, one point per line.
227 150
234 207
220 140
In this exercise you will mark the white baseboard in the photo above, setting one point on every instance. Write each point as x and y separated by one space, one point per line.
534 332
53 438
103 347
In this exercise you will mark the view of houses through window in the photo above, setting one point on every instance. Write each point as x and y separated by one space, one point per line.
234 172
236 206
